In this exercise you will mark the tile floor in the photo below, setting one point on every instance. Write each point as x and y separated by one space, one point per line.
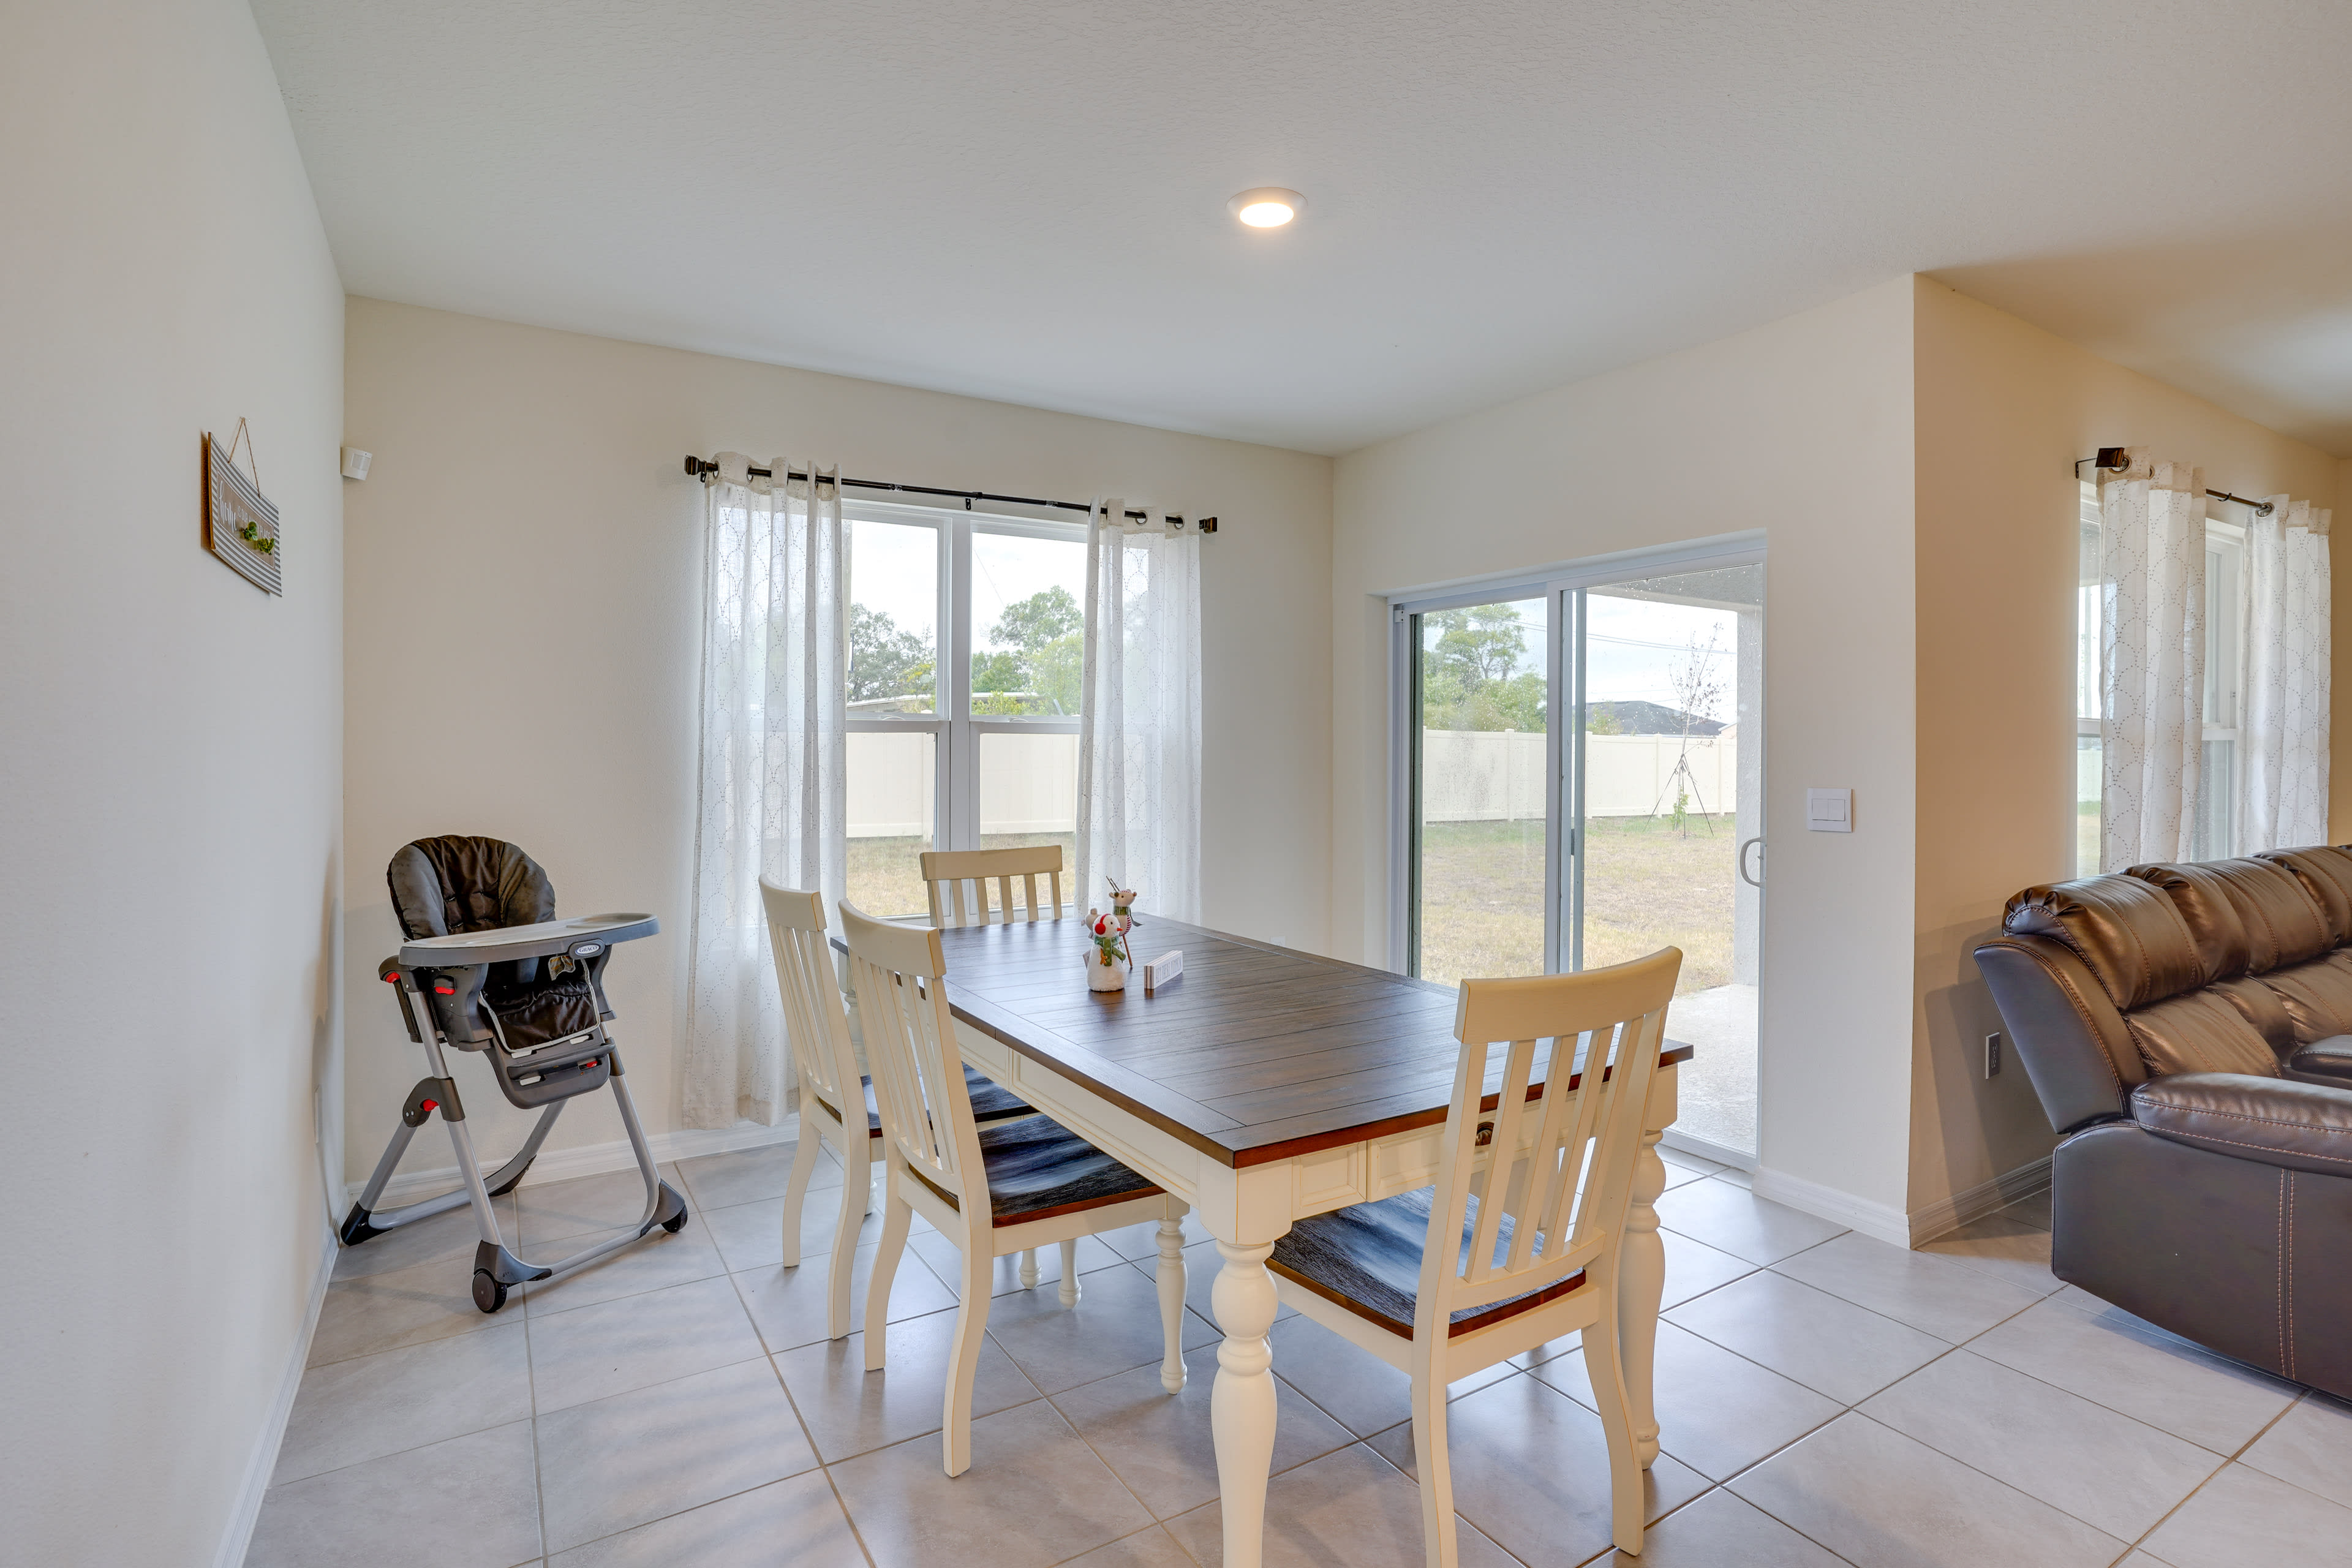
1824 1398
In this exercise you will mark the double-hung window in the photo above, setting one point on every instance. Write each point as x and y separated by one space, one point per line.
967 638
2219 762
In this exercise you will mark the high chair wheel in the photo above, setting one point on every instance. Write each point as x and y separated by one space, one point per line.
675 1224
489 1294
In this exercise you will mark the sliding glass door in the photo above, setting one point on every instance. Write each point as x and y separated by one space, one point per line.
1581 774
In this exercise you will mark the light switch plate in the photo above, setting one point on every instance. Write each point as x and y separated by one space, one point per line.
1829 810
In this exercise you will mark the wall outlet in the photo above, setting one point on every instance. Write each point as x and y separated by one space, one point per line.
1992 1056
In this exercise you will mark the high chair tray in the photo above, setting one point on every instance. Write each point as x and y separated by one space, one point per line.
544 939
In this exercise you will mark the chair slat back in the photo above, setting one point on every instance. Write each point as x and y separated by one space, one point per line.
814 1020
946 873
1558 1164
900 974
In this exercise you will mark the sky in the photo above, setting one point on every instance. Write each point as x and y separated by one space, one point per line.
1633 645
894 568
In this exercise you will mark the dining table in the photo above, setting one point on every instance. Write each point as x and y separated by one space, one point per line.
1261 1085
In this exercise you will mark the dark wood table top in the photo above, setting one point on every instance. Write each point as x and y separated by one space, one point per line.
1255 1053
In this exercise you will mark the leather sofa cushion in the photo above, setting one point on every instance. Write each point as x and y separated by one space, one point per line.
2329 1060
2126 932
2317 995
2201 1032
2326 873
2294 1126
2245 916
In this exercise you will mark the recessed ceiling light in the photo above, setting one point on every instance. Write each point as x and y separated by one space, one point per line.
1269 206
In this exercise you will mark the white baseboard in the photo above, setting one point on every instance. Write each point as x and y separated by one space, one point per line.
1947 1214
592 1159
1884 1221
264 1461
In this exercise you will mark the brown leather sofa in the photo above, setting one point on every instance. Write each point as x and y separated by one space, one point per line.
2188 1027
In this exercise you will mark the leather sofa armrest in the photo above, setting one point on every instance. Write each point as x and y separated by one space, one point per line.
2272 1122
2324 1061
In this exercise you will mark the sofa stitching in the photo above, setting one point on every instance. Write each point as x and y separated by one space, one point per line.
2287 1278
2162 1109
2190 1135
2282 1271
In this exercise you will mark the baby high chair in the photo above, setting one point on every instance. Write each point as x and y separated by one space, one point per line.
488 968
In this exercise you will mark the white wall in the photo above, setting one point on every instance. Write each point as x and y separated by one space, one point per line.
525 572
170 776
1801 428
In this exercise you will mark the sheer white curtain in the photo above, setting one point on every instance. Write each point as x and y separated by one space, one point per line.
2152 720
773 758
1140 722
2285 701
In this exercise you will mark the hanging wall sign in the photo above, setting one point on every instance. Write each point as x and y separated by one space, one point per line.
240 525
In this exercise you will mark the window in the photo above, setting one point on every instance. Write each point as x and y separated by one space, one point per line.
2218 770
966 640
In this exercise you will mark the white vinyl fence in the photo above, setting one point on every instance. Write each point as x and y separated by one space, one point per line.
1491 775
1028 783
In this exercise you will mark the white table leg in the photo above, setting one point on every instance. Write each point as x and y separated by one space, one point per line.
1642 1270
1241 1405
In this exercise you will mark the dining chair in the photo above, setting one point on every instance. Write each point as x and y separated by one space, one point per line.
992 1191
947 871
831 1111
1451 1278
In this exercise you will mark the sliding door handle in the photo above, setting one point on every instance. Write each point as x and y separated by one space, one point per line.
1758 879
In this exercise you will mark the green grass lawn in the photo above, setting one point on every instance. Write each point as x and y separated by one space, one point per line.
886 875
1647 885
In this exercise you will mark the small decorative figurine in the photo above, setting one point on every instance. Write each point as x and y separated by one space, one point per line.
1108 969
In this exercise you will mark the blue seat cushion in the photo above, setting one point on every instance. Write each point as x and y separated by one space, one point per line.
991 1102
1038 1169
1367 1258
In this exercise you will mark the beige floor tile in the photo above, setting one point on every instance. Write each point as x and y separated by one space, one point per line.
1737 1177
2310 1445
1153 1548
429 1301
1693 1269
1931 1294
1531 1470
2004 1248
1682 1167
1881 1500
469 1502
945 1259
795 1523
752 1175
1354 1387
2110 1359
2034 1210
788 1305
1161 1445
752 1236
1717 1412
553 1211
851 1411
1348 1510
349 1411
2103 1467
1719 1530
651 1263
1115 1326
2245 1519
1202 1263
450 1236
615 1463
1035 1494
1828 1344
1735 1220
592 1353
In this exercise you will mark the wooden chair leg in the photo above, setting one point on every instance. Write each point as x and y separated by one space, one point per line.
1029 1269
963 1356
1606 1370
1070 1272
1431 1458
1169 1275
898 1217
857 1189
804 1156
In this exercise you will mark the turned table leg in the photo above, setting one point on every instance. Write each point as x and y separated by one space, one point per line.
1642 1270
1242 1404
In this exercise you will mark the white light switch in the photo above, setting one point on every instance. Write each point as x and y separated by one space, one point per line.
1829 810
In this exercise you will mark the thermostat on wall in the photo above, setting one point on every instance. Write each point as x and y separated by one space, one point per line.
355 463
1829 810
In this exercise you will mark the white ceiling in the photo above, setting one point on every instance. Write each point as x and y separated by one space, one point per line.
1026 201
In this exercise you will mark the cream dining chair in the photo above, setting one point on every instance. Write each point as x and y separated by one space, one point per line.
1442 1282
946 872
992 1191
836 1101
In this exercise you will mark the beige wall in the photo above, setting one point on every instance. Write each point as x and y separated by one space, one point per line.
171 783
526 568
2004 410
1803 429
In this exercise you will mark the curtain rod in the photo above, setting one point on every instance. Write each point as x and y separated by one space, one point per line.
2112 458
695 468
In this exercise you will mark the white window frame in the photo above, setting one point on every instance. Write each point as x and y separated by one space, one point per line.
955 792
